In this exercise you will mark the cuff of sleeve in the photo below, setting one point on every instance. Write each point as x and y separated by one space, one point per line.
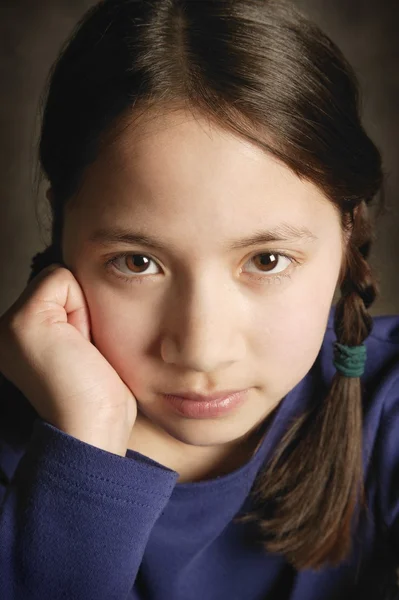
69 458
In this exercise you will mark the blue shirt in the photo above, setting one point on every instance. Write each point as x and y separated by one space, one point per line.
81 523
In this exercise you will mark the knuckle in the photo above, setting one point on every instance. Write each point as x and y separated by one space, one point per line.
54 269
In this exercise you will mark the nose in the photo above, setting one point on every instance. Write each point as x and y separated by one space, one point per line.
202 331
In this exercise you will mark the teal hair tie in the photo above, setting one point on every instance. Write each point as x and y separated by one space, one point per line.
350 360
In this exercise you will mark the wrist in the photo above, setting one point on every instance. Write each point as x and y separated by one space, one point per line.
109 438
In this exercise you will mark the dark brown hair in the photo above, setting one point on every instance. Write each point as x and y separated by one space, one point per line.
258 68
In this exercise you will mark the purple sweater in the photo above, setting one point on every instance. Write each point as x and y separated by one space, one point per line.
80 523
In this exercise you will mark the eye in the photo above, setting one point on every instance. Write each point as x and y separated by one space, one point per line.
271 262
129 264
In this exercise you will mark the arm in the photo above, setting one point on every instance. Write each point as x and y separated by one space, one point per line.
388 465
75 520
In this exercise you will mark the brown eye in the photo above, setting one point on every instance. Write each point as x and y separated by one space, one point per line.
270 262
267 262
136 262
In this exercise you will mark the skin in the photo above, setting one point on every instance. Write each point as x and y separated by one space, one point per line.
196 316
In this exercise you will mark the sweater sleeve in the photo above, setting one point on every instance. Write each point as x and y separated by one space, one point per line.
75 519
388 466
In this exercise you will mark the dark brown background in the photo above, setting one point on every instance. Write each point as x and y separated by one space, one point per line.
31 33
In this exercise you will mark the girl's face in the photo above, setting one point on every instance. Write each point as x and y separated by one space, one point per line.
200 314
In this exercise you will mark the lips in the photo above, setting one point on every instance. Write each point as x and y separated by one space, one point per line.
205 409
217 396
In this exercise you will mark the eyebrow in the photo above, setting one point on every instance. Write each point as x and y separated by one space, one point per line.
281 233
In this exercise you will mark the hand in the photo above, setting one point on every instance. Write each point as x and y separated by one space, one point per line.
46 351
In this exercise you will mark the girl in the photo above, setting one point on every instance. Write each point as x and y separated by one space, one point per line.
205 424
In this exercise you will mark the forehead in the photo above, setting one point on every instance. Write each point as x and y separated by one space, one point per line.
183 171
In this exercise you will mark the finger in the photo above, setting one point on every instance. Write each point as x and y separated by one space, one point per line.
29 290
61 298
80 320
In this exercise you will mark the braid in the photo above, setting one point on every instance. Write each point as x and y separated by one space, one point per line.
353 323
306 497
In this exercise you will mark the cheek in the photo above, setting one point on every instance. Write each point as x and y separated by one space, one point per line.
121 330
291 330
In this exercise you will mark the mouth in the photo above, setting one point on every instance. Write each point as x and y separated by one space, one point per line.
215 397
205 409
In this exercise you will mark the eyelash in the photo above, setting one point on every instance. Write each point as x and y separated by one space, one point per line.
139 278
